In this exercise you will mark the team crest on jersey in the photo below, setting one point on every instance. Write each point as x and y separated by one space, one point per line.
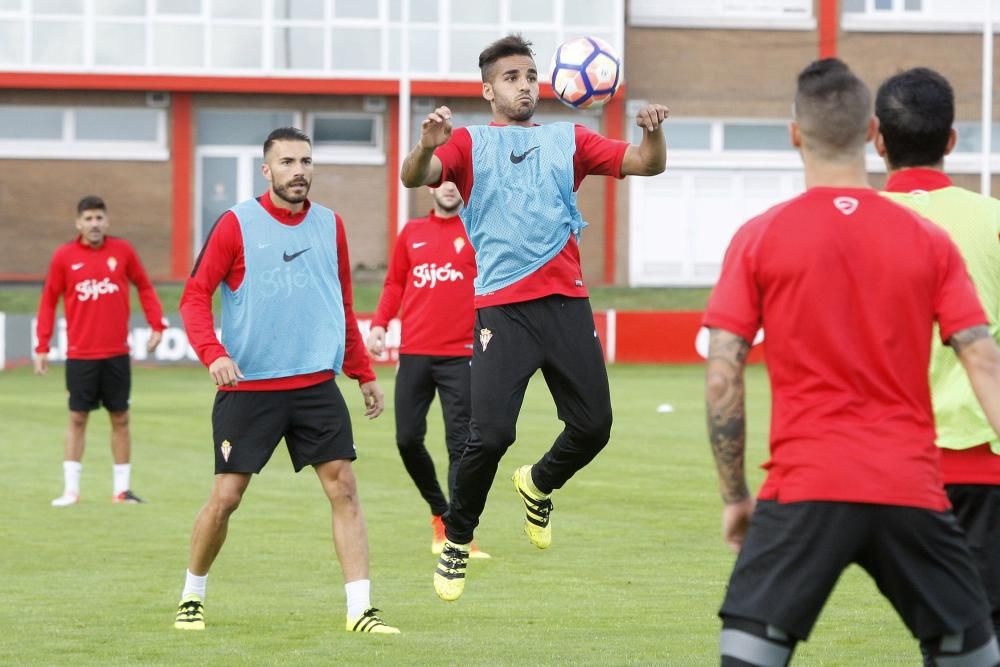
225 448
846 205
112 263
459 243
485 336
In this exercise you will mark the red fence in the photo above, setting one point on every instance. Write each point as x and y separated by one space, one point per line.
630 337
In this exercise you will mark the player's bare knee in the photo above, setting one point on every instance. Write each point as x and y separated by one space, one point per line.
77 419
975 647
119 420
340 484
748 643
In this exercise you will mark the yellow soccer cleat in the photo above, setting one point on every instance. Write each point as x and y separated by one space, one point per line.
190 613
449 577
370 622
537 508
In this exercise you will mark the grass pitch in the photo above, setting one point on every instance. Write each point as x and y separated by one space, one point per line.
635 574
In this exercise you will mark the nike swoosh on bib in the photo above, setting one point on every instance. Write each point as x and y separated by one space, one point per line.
289 258
517 159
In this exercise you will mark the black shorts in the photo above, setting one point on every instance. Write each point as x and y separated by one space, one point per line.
95 382
977 507
248 425
795 552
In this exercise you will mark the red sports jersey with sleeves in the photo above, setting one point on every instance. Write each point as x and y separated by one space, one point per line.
222 259
430 275
847 285
94 285
595 154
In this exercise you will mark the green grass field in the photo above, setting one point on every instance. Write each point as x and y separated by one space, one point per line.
634 576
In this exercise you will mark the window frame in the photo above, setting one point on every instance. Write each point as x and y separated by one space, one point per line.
70 148
349 153
713 14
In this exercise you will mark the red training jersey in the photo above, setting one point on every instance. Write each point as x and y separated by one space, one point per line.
222 259
93 283
430 274
847 286
595 154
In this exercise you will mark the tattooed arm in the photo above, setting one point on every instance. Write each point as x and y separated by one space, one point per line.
726 410
980 356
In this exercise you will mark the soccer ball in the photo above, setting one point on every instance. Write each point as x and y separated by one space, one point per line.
586 72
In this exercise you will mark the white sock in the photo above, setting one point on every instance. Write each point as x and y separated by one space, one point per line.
359 598
194 584
123 477
71 477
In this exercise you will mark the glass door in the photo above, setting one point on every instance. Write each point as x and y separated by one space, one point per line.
226 176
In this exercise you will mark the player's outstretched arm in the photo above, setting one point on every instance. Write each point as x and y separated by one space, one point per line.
725 403
421 167
649 158
980 356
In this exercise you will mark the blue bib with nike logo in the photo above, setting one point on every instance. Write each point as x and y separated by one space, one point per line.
522 208
287 317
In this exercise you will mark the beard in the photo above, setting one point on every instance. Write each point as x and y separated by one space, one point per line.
283 192
518 112
449 210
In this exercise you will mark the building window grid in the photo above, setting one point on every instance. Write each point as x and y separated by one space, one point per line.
894 8
267 23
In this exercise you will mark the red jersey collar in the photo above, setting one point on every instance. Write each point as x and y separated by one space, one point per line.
917 178
283 215
434 217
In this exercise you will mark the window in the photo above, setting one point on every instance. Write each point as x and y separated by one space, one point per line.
178 45
83 133
755 137
236 9
737 140
58 6
970 138
356 48
424 51
57 43
120 44
336 38
484 11
178 7
298 9
11 42
235 46
236 127
421 11
917 15
532 11
120 7
347 138
761 14
117 125
31 123
355 9
298 47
